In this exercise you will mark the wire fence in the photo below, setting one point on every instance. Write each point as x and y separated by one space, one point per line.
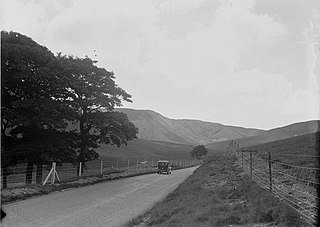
293 184
17 175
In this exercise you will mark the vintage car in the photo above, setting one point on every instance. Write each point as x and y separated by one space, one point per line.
164 167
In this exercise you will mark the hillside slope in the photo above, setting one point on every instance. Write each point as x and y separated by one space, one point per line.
299 150
293 130
154 126
146 149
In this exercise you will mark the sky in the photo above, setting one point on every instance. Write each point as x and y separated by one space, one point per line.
243 62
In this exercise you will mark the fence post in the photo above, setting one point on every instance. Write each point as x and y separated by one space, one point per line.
53 179
53 176
128 163
80 169
270 176
137 164
117 164
250 164
53 173
101 166
151 163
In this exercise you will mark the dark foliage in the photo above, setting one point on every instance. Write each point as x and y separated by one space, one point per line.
42 94
199 151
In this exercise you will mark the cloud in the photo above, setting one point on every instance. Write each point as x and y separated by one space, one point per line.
167 50
122 32
203 64
179 7
27 18
211 53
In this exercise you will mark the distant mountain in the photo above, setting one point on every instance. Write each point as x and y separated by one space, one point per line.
280 133
154 126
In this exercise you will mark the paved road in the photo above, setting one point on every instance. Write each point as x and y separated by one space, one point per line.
105 204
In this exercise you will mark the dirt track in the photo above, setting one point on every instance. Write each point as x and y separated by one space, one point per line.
104 204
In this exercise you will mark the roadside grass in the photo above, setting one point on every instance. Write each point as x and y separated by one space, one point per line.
219 194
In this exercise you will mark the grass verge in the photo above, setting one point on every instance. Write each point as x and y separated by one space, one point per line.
219 194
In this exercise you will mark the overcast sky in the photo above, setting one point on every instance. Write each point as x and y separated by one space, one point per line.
244 63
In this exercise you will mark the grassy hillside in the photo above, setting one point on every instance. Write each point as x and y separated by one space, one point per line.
147 149
299 150
154 126
292 130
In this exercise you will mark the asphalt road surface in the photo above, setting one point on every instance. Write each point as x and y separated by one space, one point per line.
111 203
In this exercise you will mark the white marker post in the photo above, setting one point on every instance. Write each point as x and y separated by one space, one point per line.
53 173
80 168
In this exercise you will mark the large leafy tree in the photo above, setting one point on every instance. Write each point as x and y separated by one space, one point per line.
43 94
199 151
92 94
31 108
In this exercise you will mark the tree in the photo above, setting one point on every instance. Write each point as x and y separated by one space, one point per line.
29 103
92 94
199 151
43 94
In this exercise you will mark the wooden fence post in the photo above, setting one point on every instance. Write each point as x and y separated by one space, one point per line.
53 178
80 169
270 176
117 164
101 166
128 164
53 173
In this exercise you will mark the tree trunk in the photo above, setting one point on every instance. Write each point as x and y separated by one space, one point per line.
29 172
4 177
39 173
83 140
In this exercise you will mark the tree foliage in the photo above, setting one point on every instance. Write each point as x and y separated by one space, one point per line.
42 94
28 84
92 94
29 81
199 151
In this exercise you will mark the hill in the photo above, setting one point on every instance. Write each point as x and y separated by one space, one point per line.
146 149
280 133
154 126
299 150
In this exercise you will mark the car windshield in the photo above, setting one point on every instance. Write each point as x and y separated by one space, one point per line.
163 164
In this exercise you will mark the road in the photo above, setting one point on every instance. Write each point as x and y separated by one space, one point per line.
111 203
